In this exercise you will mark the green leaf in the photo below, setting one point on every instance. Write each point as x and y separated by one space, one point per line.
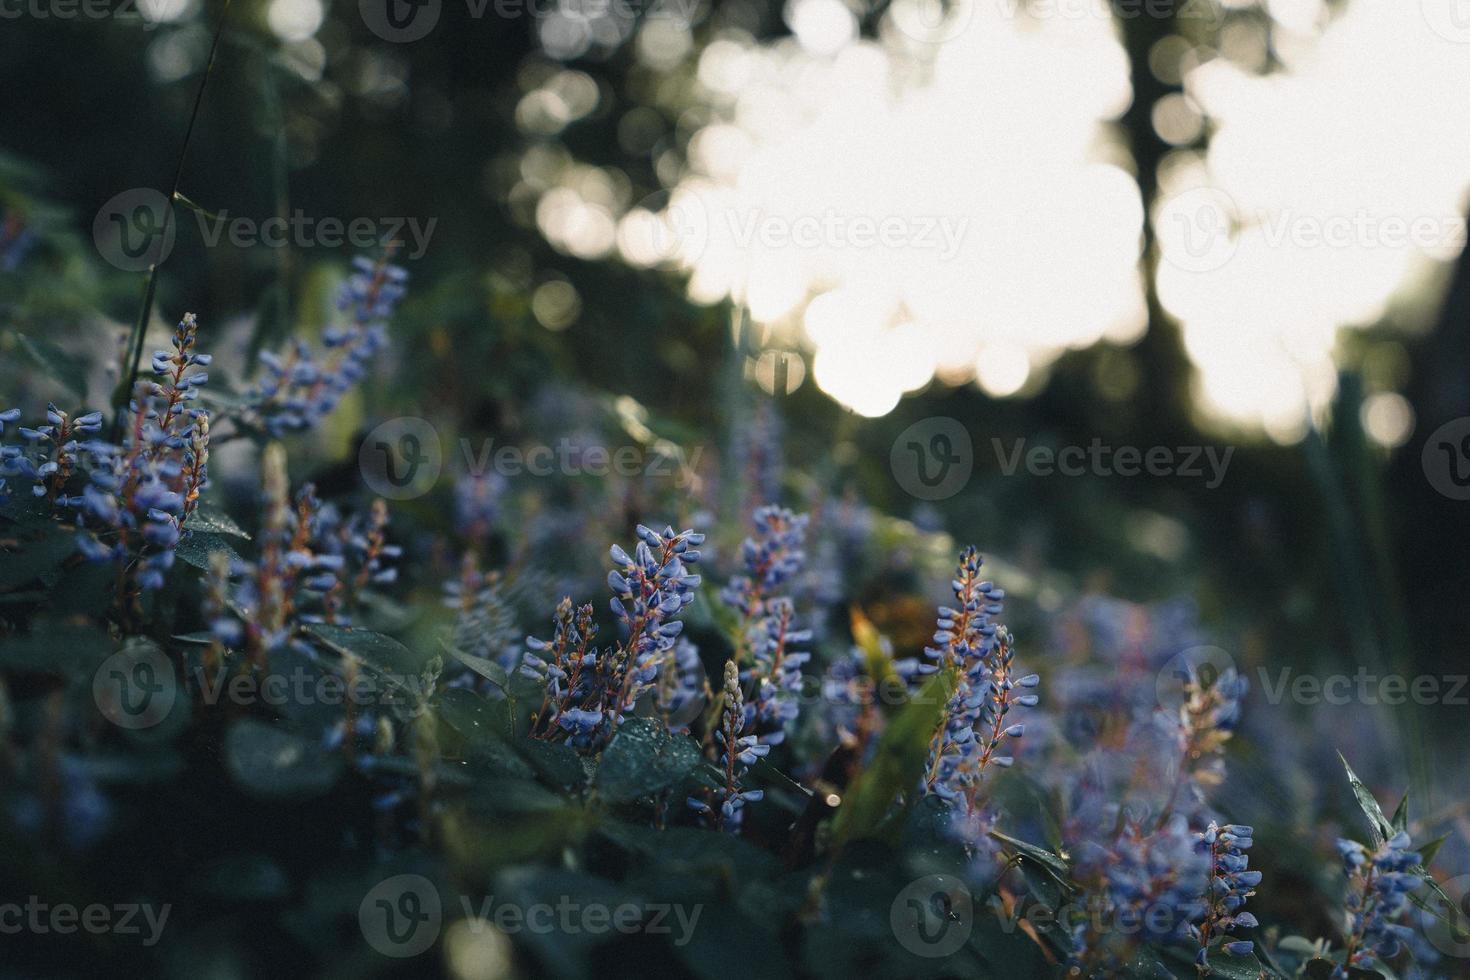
214 521
1222 964
642 759
1378 824
196 548
557 764
486 668
898 762
1051 862
267 761
1428 851
1401 815
383 655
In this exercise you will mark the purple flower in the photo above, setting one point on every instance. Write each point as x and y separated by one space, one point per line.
1227 887
1379 884
296 391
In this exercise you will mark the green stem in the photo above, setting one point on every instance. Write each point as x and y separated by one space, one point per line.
134 355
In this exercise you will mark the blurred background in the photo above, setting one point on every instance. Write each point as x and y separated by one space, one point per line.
1152 223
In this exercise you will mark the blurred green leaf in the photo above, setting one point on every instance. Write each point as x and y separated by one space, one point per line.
643 759
267 761
214 521
898 762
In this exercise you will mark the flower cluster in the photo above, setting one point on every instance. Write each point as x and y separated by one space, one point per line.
738 751
649 589
296 391
979 654
314 566
133 498
771 558
1204 723
590 692
484 623
569 667
52 453
1228 886
1143 884
1379 885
